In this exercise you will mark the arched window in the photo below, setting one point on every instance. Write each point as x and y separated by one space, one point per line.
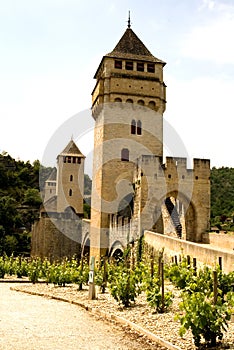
129 100
133 127
125 155
70 192
141 102
117 99
138 127
71 177
152 104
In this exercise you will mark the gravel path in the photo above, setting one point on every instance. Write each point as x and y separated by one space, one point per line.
163 326
30 322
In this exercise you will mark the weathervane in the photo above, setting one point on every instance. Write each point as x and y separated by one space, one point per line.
129 20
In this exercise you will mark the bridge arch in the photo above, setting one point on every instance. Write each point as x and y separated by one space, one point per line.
175 215
85 247
116 250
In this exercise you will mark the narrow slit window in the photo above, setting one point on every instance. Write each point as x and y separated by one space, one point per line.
125 155
70 192
139 131
133 127
71 177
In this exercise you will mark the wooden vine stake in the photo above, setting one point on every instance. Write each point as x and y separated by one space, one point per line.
162 286
215 287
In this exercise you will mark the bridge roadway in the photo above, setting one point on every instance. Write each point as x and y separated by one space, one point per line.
29 322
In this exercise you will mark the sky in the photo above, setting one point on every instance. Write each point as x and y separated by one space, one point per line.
50 50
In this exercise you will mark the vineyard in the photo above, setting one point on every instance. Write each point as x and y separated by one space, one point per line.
207 294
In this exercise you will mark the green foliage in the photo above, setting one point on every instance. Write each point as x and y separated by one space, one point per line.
19 202
2 267
154 298
180 275
87 210
20 267
222 193
32 197
124 284
87 185
34 270
203 317
101 275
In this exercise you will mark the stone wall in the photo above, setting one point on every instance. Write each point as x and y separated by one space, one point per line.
204 253
221 240
56 238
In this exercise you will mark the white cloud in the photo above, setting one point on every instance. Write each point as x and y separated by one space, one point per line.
212 41
207 4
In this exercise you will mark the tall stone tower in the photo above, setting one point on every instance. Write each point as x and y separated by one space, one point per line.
128 102
70 179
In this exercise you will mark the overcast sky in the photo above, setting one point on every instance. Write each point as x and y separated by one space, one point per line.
51 49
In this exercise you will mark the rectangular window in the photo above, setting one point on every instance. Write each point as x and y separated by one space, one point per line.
125 155
79 160
151 67
140 66
69 159
118 64
129 65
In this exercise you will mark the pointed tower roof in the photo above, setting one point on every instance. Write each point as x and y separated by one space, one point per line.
71 150
131 47
131 44
53 175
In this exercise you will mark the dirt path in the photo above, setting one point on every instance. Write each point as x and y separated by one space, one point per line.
33 323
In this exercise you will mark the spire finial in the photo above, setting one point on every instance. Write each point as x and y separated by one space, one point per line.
129 20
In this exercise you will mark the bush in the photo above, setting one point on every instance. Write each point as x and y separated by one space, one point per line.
124 285
204 318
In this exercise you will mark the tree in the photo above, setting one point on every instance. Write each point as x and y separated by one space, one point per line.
32 197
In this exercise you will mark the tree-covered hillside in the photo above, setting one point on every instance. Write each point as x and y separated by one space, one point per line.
222 196
19 203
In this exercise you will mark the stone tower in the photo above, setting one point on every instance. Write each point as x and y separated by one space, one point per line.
50 186
128 102
70 179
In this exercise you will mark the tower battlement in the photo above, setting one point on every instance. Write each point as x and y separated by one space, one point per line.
174 167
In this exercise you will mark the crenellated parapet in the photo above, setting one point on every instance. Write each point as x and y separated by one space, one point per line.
173 168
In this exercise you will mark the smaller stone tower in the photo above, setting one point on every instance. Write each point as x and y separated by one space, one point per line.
70 179
50 186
